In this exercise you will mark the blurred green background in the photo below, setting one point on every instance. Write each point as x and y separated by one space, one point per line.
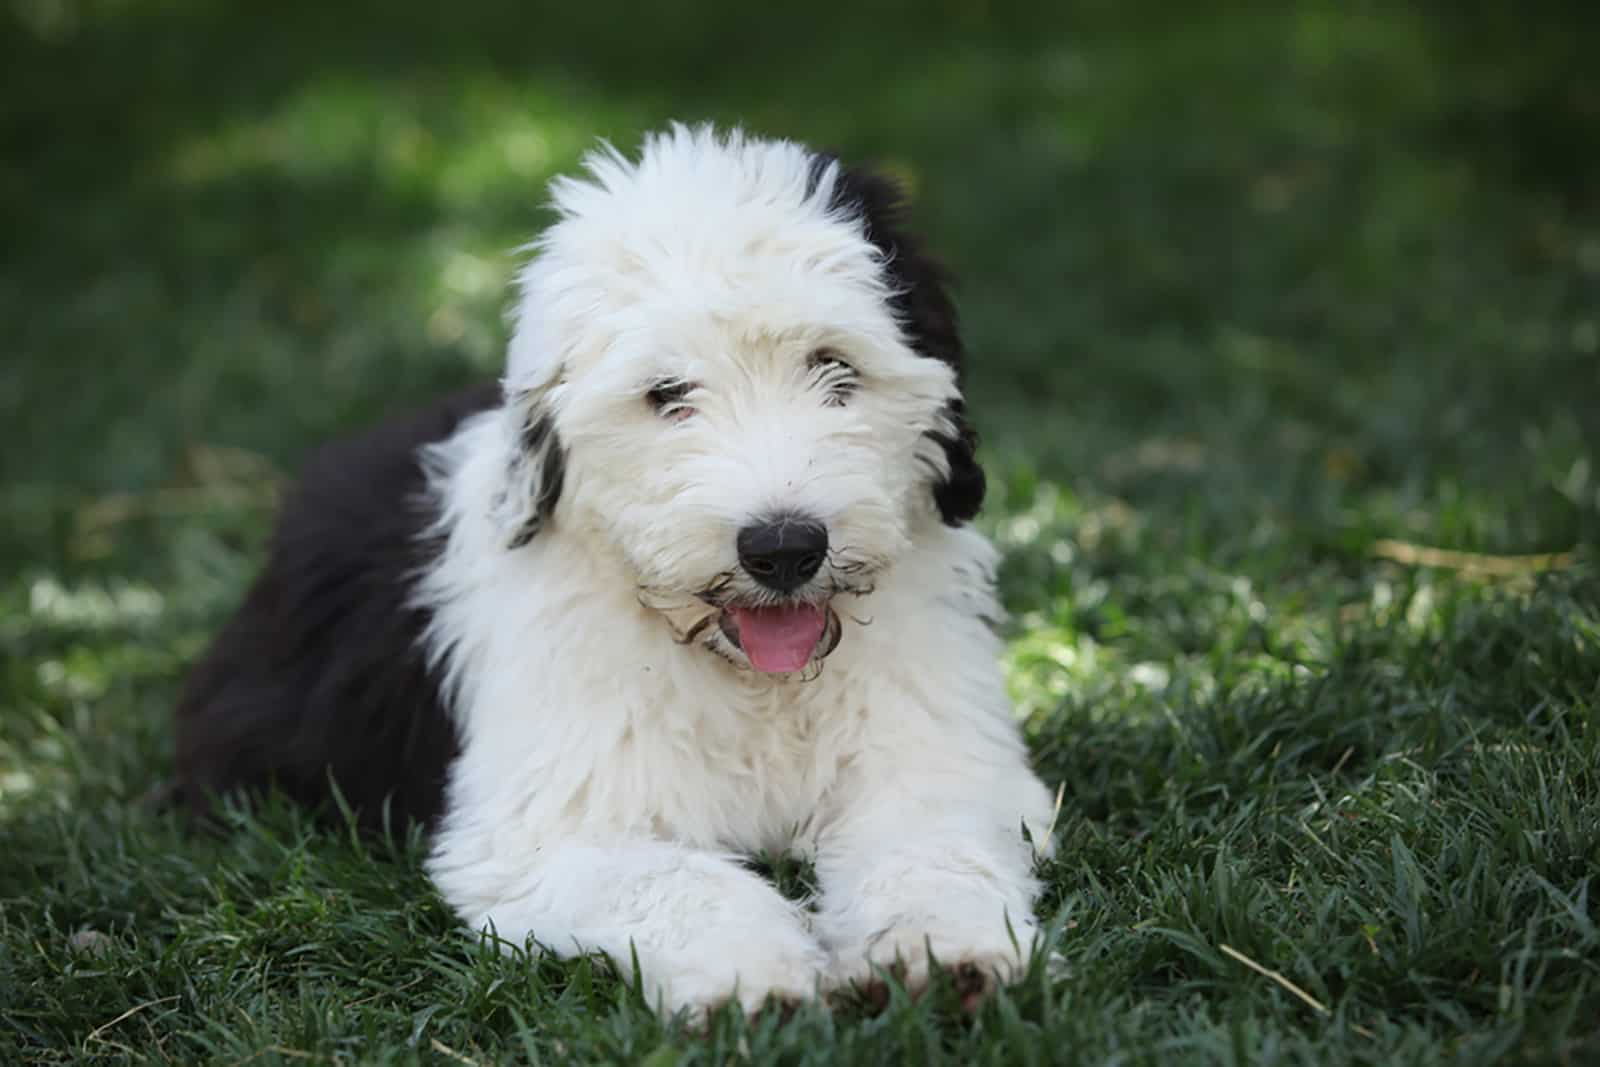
1335 236
1285 323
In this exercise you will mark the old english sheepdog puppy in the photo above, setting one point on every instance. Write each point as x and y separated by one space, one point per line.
694 582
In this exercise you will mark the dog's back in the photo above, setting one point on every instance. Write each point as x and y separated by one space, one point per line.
321 672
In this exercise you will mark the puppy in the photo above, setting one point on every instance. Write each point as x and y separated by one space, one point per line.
695 581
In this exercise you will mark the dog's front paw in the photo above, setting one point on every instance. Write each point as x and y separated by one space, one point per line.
977 962
778 975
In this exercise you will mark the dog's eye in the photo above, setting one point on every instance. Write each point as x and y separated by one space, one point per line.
837 378
666 398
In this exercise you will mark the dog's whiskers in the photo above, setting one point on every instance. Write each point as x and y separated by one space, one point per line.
845 561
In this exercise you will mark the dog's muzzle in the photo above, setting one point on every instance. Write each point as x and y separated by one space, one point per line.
781 553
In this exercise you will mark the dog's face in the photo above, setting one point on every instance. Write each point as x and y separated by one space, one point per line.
732 372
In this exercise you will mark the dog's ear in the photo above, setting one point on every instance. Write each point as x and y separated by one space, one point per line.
535 468
920 297
958 493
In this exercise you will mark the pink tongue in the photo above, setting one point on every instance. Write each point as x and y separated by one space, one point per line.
779 640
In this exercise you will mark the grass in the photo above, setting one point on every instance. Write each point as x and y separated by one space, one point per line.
1286 330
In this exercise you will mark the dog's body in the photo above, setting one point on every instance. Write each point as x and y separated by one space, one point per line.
697 583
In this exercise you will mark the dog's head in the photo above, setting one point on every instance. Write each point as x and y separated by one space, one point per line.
735 372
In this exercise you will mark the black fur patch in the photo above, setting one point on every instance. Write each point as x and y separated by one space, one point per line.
537 470
959 495
321 671
555 474
535 433
922 304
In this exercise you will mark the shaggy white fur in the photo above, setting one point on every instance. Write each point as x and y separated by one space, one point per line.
707 338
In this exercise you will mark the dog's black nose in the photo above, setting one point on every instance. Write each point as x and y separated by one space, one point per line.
783 553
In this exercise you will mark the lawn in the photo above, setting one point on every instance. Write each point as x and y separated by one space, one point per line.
1287 357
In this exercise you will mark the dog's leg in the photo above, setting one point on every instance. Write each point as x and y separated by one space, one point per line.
704 929
926 854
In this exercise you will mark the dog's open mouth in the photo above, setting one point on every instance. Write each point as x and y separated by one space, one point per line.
783 638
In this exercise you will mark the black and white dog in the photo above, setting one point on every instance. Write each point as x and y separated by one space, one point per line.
695 582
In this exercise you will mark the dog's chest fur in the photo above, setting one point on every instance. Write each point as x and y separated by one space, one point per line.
675 743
